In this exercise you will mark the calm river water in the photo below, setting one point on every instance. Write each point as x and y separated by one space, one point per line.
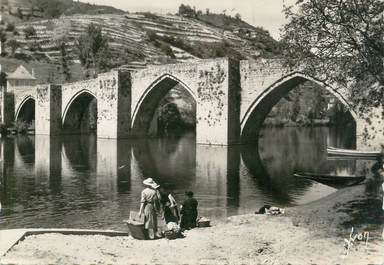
85 182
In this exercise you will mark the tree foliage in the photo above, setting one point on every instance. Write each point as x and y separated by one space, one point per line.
3 79
29 32
186 10
170 120
93 49
10 27
13 44
339 41
295 109
51 8
20 13
3 35
65 62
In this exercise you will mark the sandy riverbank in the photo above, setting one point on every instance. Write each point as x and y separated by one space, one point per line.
309 234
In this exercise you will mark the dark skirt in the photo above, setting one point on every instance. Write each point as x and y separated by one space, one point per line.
171 214
188 220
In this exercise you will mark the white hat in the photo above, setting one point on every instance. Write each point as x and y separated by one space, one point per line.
151 183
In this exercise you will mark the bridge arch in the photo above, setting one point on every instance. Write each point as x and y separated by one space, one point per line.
256 113
145 108
26 110
78 111
73 98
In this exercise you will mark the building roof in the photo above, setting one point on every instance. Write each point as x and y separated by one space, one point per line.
21 73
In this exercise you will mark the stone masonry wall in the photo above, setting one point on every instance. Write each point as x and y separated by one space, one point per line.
21 95
8 108
124 104
71 90
370 130
113 102
143 80
256 76
212 103
48 110
206 80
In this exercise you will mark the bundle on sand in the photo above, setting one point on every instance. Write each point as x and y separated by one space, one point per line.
272 210
172 231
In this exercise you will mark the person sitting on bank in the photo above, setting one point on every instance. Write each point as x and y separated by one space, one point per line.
170 210
150 206
188 212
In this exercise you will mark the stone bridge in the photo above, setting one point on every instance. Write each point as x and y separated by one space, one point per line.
232 100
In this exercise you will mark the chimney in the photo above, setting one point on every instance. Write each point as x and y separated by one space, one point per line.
33 72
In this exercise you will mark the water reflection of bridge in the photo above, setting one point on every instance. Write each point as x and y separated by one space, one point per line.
227 179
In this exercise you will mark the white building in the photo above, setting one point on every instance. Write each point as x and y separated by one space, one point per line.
21 77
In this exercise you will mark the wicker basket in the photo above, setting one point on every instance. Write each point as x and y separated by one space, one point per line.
136 226
203 223
137 230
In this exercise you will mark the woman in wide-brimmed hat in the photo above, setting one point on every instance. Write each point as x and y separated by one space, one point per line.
150 206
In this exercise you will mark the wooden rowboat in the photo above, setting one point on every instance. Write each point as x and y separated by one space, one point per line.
332 180
332 151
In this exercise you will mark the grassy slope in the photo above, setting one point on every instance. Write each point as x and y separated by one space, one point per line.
131 32
176 38
59 7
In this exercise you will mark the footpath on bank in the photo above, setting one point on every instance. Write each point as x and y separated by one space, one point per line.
310 234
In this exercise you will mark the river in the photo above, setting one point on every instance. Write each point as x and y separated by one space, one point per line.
85 182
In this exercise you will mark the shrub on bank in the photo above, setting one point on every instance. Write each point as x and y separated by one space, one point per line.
3 129
21 127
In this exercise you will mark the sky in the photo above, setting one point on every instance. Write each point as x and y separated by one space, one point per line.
263 13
